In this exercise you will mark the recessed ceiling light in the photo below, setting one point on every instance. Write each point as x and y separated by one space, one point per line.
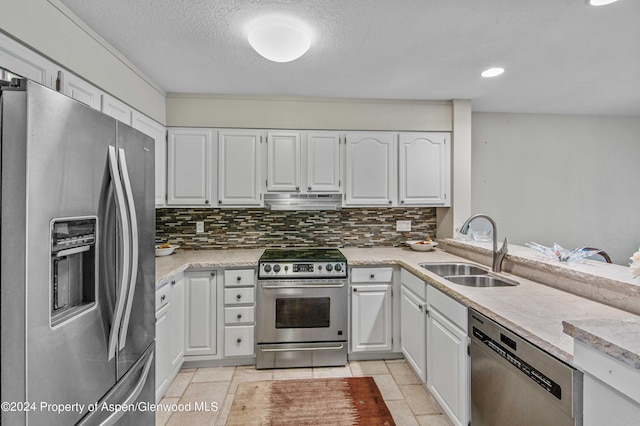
492 72
600 2
279 40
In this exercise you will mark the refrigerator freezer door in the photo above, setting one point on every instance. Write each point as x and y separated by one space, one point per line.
62 172
136 152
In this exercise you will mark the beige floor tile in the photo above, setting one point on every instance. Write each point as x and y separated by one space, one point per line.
388 387
292 373
242 375
162 415
188 370
205 393
327 372
214 374
192 418
179 384
433 420
401 413
403 374
368 368
419 400
225 409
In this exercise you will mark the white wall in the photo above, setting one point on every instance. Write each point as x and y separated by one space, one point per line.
574 180
49 28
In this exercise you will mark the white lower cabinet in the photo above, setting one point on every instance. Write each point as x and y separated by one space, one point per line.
447 357
239 312
169 333
201 320
412 334
371 309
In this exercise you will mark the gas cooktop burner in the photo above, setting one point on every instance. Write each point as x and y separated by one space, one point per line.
302 263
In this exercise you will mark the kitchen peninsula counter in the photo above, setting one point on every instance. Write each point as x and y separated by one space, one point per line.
534 311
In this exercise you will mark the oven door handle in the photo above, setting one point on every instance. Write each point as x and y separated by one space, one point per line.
267 286
312 348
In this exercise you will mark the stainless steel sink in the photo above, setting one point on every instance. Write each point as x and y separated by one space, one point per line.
481 281
454 269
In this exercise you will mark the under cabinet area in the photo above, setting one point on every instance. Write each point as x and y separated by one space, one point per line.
447 357
239 312
371 309
413 322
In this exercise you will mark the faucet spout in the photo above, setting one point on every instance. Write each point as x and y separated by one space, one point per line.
498 255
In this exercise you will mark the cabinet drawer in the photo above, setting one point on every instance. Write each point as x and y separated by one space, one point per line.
451 309
371 275
238 296
239 315
163 295
414 283
239 277
238 340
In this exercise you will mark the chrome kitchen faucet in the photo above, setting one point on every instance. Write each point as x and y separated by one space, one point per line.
498 256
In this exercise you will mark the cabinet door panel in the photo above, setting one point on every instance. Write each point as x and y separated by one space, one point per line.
370 169
323 162
22 61
413 332
238 168
178 306
80 90
283 161
163 350
189 167
158 132
201 314
424 168
116 109
371 318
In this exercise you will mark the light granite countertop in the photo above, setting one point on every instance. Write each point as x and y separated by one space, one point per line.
533 310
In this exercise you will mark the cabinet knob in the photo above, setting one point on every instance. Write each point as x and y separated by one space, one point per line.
213 274
389 201
372 276
219 201
239 316
401 201
163 297
355 290
173 282
239 297
420 307
308 188
238 278
238 340
297 188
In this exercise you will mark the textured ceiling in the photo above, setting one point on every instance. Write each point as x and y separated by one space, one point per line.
561 56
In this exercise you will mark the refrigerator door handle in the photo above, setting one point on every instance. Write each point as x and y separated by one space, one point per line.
121 207
133 396
134 247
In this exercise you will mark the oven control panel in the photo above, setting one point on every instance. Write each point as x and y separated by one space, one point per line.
303 270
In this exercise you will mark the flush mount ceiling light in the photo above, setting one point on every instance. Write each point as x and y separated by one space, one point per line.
600 2
492 72
279 40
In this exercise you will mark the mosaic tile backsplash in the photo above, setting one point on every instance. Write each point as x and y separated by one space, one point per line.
258 228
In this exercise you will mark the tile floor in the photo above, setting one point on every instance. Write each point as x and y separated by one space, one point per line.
408 401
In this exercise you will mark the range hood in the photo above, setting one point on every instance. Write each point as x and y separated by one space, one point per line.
302 202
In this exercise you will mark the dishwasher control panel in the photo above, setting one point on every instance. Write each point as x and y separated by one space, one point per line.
542 380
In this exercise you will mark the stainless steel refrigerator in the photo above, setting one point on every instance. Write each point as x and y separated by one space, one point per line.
78 267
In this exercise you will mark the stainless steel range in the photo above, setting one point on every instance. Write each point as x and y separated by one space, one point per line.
301 308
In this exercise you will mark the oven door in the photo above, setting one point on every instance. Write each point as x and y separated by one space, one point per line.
291 311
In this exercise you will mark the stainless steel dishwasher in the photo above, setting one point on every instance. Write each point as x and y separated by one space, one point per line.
516 383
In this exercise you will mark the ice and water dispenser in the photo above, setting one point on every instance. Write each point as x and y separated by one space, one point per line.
73 267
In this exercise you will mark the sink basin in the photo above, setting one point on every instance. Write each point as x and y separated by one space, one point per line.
481 281
453 269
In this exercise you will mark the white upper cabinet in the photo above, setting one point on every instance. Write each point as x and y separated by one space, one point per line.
424 169
323 162
283 161
158 132
80 90
238 168
22 61
116 109
371 169
189 167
